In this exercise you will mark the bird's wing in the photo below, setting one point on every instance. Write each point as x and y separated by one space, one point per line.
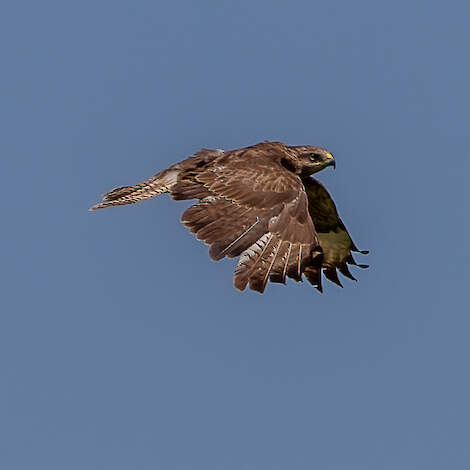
333 236
251 206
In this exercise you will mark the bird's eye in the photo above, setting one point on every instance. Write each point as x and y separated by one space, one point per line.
315 157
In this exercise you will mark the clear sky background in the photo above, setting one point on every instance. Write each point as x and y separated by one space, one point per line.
123 346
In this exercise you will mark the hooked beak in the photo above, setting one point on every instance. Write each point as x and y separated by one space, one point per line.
330 160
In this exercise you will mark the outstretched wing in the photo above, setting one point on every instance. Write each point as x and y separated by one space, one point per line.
251 206
333 236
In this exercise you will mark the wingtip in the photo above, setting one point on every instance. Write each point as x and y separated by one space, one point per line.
357 250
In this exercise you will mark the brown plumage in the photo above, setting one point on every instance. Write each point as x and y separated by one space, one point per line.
258 203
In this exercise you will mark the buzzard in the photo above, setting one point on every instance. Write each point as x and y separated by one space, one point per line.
261 204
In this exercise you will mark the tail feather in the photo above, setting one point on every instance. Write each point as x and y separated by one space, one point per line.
158 184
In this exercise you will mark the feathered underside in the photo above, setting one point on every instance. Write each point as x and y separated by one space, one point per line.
336 243
252 207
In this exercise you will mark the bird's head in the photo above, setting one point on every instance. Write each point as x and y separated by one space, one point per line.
310 159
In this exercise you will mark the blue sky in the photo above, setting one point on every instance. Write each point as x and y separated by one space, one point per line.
123 346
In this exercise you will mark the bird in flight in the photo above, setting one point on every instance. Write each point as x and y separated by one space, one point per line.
260 204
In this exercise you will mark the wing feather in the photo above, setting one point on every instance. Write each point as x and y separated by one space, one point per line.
335 241
251 206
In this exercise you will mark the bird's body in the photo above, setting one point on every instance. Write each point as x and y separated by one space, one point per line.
261 204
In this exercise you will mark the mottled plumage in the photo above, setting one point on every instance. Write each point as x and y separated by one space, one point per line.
260 204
